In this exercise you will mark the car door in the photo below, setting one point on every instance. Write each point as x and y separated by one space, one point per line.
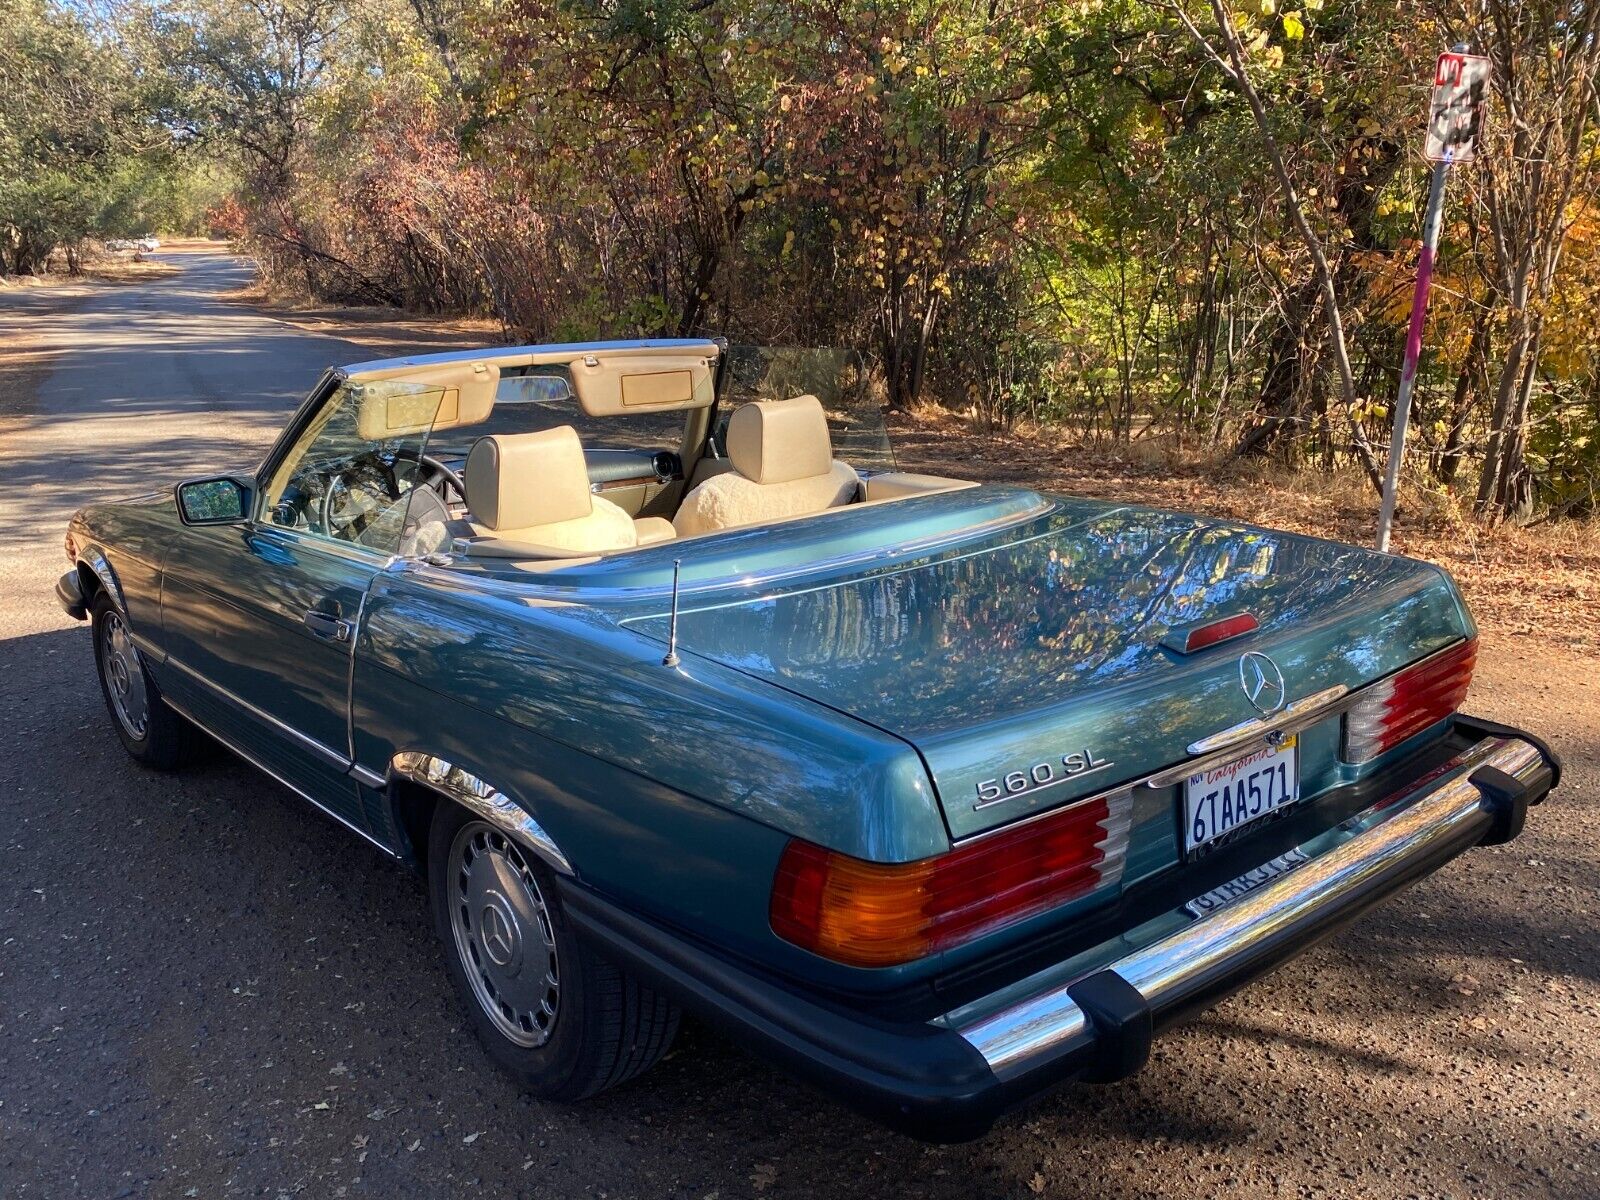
260 618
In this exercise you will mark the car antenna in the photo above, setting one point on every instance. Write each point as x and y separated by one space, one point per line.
671 660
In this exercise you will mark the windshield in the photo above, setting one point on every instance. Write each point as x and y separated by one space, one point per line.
534 398
530 399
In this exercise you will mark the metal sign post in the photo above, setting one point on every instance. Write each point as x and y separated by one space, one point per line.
1459 83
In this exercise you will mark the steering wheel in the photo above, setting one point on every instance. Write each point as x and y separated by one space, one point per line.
343 484
436 470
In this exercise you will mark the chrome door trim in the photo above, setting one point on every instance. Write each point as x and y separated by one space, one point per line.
350 677
302 539
147 649
483 799
268 771
306 742
367 778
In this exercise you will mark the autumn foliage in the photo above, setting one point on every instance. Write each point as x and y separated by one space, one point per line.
1049 213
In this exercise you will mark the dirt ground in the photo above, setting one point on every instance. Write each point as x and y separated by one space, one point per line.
207 990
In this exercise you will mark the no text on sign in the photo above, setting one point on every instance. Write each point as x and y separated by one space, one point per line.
1460 88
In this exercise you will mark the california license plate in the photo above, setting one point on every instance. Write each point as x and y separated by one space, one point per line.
1218 801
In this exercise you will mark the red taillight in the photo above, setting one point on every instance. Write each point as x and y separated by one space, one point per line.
878 914
1406 703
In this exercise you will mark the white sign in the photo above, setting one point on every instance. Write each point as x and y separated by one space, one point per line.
1460 90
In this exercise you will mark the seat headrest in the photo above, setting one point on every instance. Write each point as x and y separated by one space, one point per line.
517 480
774 441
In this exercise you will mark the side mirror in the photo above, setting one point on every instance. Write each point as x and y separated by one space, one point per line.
221 501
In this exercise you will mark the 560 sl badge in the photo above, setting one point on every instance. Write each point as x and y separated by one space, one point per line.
1040 776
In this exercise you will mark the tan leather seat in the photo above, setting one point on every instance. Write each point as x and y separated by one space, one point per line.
531 490
783 466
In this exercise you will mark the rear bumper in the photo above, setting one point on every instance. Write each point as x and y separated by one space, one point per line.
69 593
949 1078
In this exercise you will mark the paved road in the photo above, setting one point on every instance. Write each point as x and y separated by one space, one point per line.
208 990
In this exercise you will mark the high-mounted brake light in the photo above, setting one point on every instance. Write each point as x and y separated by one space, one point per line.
1187 639
1409 701
879 914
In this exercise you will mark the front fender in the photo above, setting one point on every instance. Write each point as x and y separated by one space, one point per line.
92 558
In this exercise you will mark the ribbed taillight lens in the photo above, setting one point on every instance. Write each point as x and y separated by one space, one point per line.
1409 701
878 914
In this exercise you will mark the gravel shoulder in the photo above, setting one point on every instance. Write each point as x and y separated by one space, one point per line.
208 990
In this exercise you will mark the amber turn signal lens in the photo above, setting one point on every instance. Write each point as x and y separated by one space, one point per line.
880 914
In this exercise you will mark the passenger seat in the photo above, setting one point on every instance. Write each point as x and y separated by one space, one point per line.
530 491
783 466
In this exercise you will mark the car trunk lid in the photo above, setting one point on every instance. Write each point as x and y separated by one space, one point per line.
1038 652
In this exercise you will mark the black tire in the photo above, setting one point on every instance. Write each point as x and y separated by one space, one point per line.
163 740
605 1026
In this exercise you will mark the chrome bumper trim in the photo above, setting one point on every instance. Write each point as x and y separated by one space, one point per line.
1169 971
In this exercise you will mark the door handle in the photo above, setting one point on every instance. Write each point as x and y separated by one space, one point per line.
327 626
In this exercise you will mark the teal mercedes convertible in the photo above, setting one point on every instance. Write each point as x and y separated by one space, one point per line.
683 696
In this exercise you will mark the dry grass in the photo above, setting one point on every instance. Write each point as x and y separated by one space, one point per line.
127 269
100 268
1540 581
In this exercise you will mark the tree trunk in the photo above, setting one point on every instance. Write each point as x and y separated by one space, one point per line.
1513 488
1279 403
1505 402
1468 391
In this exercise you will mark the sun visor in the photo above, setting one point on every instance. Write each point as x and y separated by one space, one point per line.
417 400
608 386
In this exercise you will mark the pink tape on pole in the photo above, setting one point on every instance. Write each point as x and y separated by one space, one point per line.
1419 312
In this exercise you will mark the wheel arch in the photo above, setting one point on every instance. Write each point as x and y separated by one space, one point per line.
418 781
96 574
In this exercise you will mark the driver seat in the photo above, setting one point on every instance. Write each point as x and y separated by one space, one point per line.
532 489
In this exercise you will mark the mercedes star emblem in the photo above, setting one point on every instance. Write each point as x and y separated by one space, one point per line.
1262 683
